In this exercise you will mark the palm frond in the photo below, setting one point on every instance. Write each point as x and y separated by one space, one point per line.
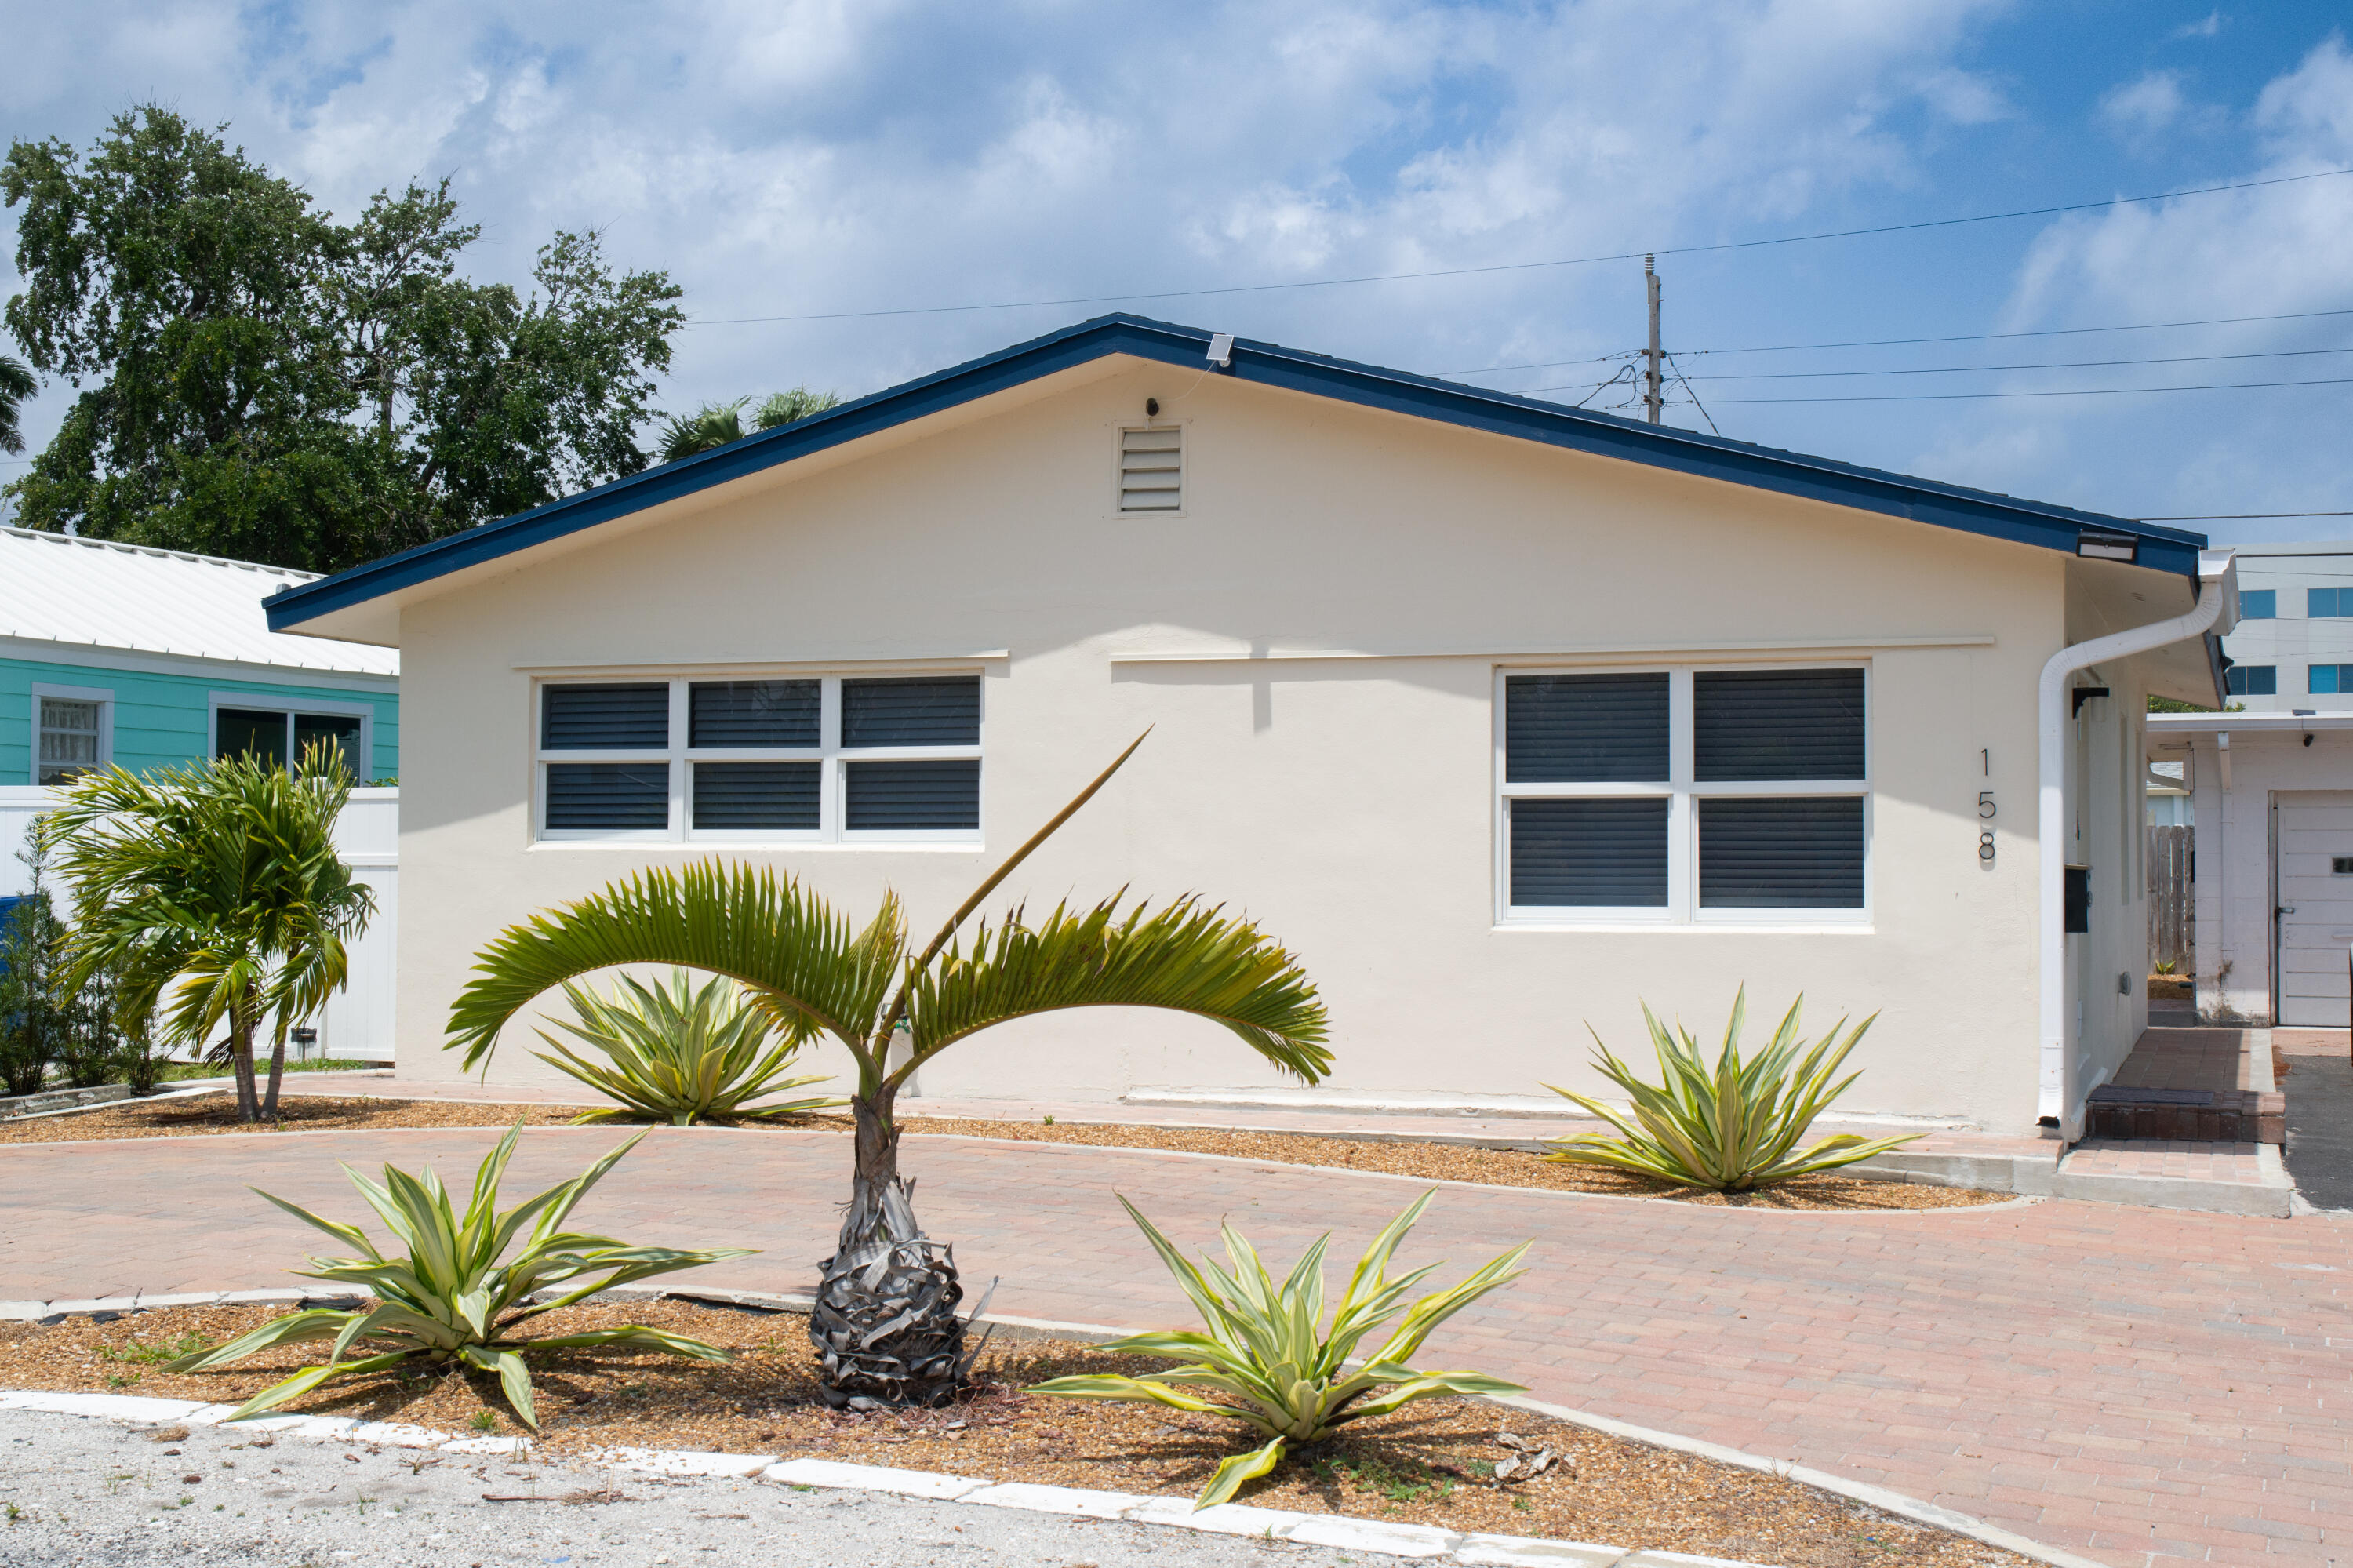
1187 958
800 959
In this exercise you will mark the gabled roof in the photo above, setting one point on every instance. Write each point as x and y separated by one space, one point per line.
98 594
1475 407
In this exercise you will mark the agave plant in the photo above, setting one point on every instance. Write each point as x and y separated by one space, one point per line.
1268 1349
450 1298
884 1322
1731 1127
679 1053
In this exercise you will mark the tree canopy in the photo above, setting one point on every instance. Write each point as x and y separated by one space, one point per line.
258 380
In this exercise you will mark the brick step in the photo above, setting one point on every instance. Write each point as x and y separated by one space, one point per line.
2200 1115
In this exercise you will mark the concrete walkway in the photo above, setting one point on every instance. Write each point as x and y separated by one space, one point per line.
2120 1382
2319 1088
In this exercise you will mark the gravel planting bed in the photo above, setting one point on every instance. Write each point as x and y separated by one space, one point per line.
1431 1464
209 1114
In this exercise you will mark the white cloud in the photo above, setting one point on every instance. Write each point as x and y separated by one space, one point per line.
2145 106
1964 98
2205 29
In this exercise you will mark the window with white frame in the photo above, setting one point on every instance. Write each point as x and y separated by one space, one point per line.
284 736
805 758
1684 795
72 732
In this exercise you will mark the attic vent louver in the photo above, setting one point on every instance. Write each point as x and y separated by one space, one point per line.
1151 470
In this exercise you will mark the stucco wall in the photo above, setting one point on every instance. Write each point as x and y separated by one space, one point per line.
1348 802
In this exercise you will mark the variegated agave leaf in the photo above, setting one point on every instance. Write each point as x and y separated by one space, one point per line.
1731 1126
1277 1360
677 1052
456 1293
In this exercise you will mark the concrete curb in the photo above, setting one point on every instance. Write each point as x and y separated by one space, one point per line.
1532 1550
1373 1536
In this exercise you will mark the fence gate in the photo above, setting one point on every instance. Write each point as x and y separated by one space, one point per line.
2172 927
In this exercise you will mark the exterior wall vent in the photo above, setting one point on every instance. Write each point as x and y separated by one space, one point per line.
1152 469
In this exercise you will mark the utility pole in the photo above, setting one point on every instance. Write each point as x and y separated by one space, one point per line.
1650 401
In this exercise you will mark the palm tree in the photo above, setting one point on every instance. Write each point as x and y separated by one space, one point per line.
884 1323
716 424
785 408
16 384
220 882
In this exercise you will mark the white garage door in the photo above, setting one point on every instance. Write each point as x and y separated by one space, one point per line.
2316 898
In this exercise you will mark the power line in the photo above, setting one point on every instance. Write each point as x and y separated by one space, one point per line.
2229 516
2046 365
1908 341
2073 392
1523 266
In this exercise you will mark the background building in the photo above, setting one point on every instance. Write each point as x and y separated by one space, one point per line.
2294 645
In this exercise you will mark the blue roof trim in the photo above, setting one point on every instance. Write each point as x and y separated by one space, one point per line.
1474 408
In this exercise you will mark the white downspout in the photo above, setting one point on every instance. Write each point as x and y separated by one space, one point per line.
2218 585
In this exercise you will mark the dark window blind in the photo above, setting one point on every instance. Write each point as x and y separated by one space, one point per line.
1573 853
608 795
752 713
1585 729
1759 725
912 710
605 718
1781 853
743 797
909 797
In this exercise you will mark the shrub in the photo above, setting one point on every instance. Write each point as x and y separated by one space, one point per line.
1268 1348
677 1052
28 1033
448 1299
1732 1126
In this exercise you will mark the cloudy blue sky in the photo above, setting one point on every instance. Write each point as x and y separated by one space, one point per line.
807 158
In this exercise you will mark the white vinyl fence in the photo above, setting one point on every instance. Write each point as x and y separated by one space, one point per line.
358 1018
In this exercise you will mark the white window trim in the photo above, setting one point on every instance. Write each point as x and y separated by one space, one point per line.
1683 911
680 759
258 703
102 695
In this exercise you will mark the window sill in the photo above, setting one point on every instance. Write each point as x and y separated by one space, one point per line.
766 846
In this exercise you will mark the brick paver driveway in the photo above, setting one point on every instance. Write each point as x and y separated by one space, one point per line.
2120 1382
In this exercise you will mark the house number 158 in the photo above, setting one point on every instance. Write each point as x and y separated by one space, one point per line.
1985 810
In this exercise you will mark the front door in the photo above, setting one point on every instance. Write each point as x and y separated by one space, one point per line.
2315 906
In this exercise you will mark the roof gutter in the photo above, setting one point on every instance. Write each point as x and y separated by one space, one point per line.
2061 1096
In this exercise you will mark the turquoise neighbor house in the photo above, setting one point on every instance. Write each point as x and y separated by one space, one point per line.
122 654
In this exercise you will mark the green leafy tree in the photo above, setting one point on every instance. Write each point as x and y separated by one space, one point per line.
217 883
260 381
884 1322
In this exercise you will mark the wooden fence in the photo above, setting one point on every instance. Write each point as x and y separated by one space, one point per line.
2173 925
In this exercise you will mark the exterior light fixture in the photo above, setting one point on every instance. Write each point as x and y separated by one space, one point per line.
2107 547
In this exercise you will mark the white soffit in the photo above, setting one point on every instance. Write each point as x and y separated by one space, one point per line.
96 593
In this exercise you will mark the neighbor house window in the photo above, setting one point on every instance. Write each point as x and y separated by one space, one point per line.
282 735
851 759
2259 604
1684 795
72 732
2328 680
2324 603
2252 680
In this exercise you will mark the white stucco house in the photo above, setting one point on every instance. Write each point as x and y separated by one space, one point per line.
1503 715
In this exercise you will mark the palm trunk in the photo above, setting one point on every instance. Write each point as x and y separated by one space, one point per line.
885 1324
277 1073
240 1056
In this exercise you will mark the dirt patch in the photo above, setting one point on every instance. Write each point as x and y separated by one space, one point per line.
1431 1464
1450 1162
1423 1161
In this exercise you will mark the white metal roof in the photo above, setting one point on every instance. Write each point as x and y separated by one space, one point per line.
97 593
